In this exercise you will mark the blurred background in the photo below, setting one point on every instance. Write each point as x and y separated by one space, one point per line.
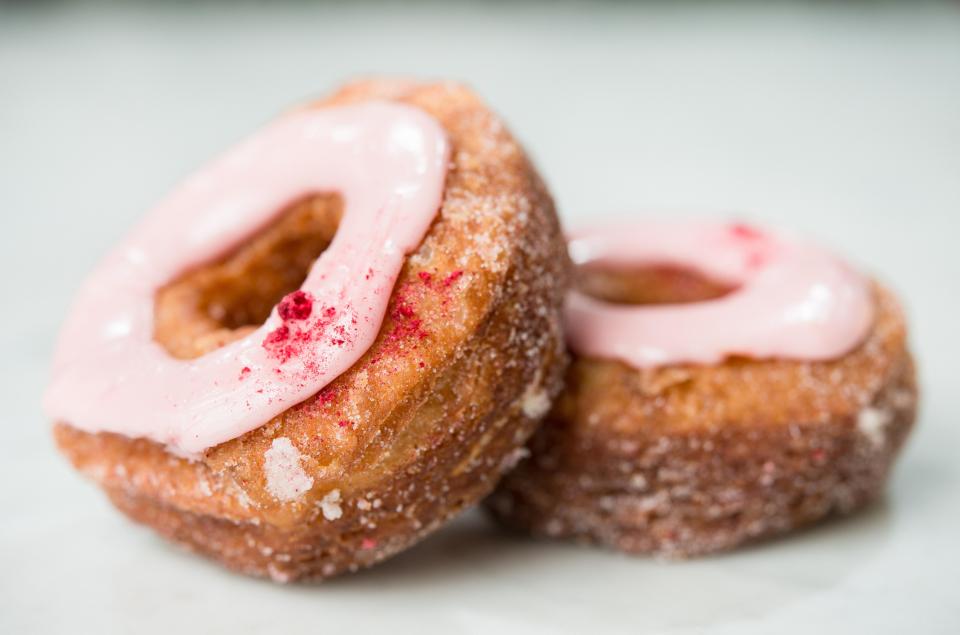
839 120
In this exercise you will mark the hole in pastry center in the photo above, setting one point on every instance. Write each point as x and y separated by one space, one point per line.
645 285
222 301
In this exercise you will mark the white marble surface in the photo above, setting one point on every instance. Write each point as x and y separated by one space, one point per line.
841 122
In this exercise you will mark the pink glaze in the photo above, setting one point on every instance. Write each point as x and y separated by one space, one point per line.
388 161
791 300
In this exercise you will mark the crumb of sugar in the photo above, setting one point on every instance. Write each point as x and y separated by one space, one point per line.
278 575
286 479
535 401
330 505
203 486
872 423
512 458
240 496
553 527
638 482
536 404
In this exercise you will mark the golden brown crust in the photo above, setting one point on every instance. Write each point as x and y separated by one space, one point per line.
688 460
422 426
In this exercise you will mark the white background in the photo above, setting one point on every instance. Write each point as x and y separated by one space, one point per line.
841 122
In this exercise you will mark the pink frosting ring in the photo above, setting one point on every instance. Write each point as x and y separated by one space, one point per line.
388 161
790 299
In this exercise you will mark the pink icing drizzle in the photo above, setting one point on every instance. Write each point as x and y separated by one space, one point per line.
791 299
388 162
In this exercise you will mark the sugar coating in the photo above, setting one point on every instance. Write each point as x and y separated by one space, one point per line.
689 460
286 478
421 426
